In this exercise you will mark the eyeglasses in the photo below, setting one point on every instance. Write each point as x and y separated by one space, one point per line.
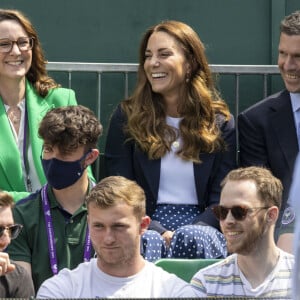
238 212
13 230
23 43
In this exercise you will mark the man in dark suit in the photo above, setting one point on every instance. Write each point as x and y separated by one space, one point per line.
269 130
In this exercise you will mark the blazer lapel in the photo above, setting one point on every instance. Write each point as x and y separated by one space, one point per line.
37 107
201 172
150 171
284 128
9 154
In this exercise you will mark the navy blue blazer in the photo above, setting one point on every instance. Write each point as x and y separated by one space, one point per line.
125 158
267 137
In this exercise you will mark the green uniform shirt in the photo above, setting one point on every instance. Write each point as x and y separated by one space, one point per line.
32 244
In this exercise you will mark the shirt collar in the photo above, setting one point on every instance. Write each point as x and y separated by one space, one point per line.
54 203
21 105
295 100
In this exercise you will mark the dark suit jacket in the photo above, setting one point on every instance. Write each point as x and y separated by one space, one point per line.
267 137
126 159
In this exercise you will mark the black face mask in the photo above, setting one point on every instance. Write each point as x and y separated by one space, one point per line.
62 174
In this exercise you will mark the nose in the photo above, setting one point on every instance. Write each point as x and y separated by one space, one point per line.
229 218
109 237
289 63
15 48
154 61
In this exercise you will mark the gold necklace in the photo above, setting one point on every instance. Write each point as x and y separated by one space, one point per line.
14 114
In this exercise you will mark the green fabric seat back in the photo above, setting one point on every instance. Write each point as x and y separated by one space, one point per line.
184 268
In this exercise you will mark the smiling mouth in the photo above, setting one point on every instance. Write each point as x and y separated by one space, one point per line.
232 233
158 75
15 63
291 76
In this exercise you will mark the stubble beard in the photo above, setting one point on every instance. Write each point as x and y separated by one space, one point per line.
251 241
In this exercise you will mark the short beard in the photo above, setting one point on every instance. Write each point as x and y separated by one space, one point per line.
253 239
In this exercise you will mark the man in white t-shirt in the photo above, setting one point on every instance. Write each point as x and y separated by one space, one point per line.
116 219
248 210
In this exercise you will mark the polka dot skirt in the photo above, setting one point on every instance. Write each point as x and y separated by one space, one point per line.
153 246
174 216
190 241
197 241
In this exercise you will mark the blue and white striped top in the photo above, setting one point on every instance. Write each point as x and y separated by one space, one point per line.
225 279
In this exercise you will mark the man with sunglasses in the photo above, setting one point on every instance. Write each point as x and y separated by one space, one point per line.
55 233
15 282
249 207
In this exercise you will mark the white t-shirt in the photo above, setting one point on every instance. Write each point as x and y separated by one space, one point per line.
177 180
88 281
225 279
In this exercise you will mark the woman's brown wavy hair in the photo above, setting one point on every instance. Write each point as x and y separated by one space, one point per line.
145 109
37 73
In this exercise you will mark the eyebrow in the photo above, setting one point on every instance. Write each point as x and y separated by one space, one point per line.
159 50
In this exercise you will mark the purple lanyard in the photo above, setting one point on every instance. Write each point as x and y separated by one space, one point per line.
50 235
28 181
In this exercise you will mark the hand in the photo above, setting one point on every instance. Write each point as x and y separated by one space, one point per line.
167 235
5 265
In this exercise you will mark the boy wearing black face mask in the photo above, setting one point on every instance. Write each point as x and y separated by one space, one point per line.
55 233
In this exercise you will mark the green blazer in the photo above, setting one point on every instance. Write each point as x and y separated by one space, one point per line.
11 178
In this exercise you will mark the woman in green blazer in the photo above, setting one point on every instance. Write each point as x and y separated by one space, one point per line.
26 94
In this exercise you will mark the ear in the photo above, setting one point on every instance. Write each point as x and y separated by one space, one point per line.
91 157
145 222
272 214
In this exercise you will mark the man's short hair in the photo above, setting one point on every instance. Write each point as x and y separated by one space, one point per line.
114 190
269 188
6 200
69 127
290 25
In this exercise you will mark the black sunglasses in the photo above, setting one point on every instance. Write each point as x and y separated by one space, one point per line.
238 212
13 230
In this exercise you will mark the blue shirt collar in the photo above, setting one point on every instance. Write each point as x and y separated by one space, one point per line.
295 100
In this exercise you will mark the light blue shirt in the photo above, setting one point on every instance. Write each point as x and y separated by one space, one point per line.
295 100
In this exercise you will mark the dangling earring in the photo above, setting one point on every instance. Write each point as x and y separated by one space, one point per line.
187 79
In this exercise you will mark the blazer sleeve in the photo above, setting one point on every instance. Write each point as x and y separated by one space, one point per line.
118 154
224 162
